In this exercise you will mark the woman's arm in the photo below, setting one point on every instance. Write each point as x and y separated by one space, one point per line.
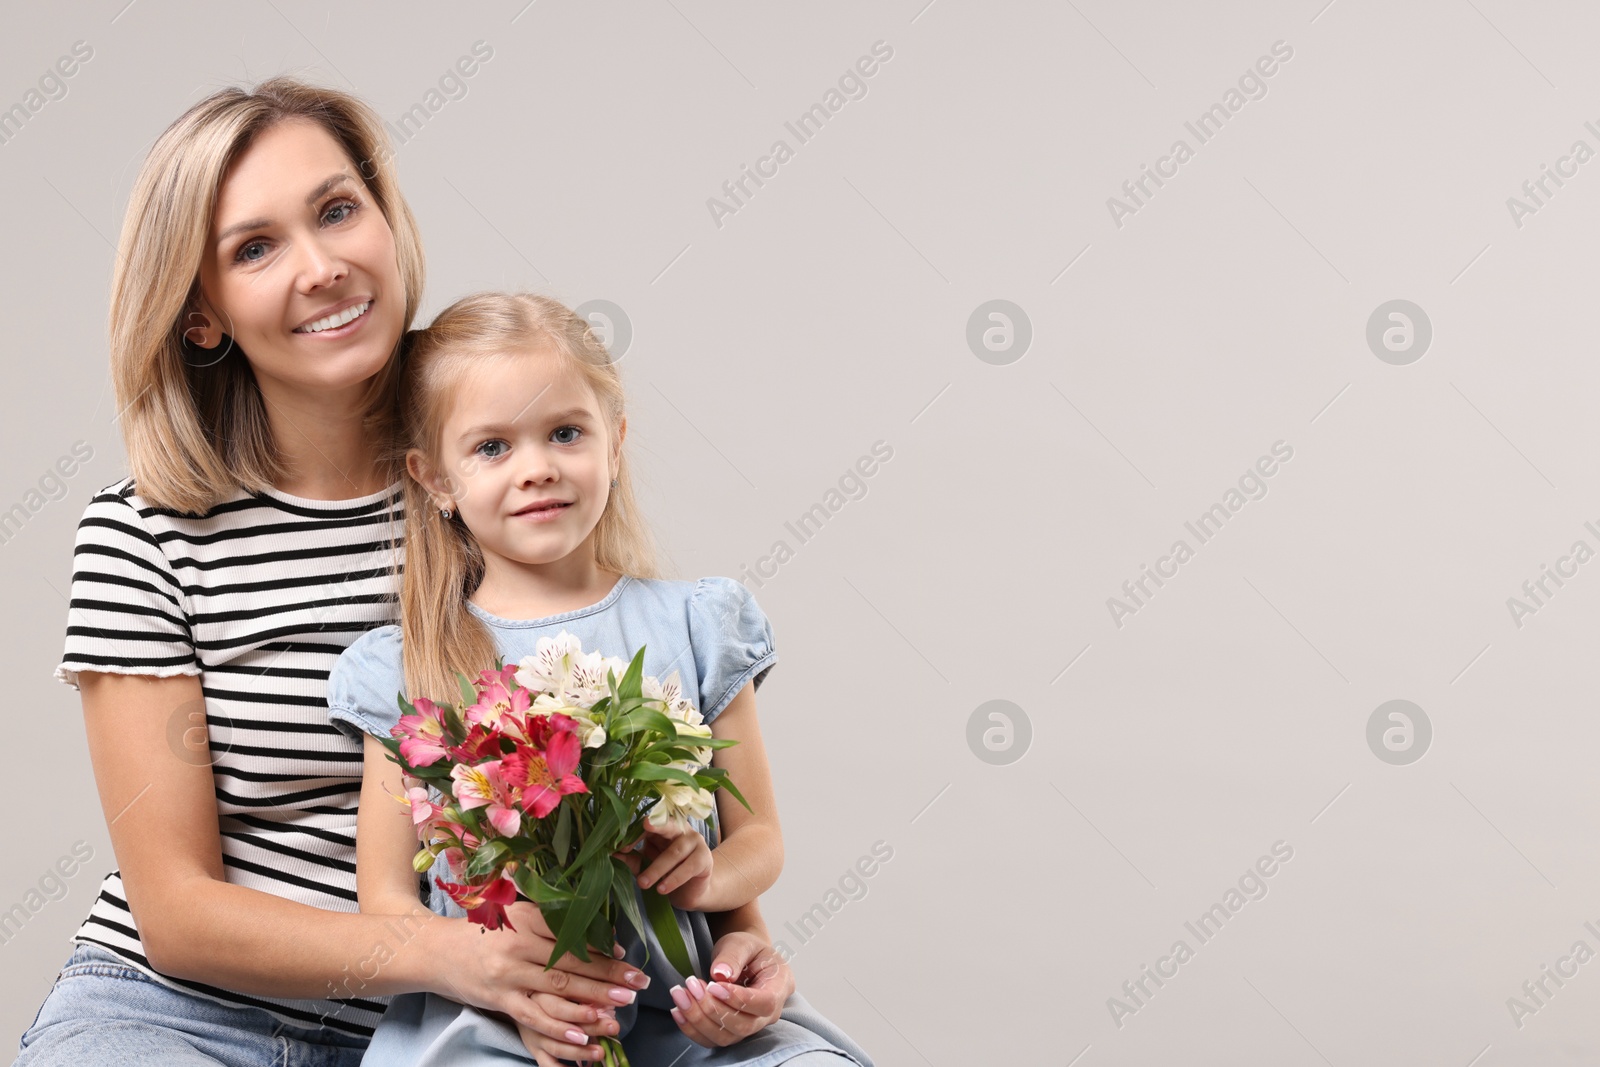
161 809
386 838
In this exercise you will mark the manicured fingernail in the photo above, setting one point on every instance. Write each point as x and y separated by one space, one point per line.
679 997
718 991
637 979
722 970
577 1037
623 996
696 989
677 1016
617 951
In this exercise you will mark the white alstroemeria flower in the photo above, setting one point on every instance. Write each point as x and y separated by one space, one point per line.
684 711
590 732
549 669
685 729
679 802
668 692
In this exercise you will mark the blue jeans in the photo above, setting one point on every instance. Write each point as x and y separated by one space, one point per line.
103 1010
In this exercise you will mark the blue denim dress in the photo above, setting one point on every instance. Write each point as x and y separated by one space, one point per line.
715 636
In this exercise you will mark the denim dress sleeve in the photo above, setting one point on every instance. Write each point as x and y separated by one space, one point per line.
732 641
365 684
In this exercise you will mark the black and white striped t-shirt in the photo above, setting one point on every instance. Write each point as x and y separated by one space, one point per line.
257 597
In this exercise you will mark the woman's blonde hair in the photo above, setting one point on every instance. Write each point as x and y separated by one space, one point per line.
443 565
195 434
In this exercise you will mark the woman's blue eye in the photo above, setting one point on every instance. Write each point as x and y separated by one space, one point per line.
243 258
563 429
485 449
348 207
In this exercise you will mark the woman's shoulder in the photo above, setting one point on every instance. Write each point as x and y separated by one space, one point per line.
122 500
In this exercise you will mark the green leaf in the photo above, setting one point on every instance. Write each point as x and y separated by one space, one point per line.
631 685
727 783
602 836
616 805
540 892
455 727
592 890
486 858
650 772
638 720
625 891
664 920
563 837
602 934
469 695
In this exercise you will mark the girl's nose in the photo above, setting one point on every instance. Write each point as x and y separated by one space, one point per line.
536 467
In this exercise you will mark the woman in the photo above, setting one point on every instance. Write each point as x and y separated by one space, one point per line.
268 269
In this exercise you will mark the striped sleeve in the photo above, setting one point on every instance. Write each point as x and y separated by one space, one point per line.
127 609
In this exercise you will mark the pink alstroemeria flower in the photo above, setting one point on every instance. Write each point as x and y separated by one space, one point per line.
506 676
423 809
500 709
480 743
422 740
485 904
486 784
543 778
455 857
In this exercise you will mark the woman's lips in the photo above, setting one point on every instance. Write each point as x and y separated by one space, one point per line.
344 330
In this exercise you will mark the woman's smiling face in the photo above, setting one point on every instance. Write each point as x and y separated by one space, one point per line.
297 247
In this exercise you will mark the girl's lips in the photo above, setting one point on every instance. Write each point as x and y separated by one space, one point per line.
541 514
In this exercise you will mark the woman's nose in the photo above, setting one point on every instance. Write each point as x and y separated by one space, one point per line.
319 267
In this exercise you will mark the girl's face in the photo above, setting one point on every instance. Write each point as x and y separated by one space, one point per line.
525 457
297 244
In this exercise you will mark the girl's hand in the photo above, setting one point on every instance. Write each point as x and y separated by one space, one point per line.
547 1052
504 970
751 983
680 863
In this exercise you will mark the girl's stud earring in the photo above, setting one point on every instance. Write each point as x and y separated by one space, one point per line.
445 513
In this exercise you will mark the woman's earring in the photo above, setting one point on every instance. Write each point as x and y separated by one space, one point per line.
445 513
613 483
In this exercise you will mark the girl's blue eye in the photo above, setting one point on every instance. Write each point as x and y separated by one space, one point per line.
484 449
562 429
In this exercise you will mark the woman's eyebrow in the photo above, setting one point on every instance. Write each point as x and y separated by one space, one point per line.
258 224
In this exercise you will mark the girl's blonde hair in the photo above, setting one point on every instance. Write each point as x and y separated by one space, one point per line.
443 565
196 434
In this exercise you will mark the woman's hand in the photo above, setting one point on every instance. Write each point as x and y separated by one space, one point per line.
751 983
504 970
680 863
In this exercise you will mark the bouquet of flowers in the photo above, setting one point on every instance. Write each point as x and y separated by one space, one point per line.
544 770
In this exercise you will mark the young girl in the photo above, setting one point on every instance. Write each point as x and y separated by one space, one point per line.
520 523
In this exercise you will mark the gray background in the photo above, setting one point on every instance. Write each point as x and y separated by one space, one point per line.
1168 354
